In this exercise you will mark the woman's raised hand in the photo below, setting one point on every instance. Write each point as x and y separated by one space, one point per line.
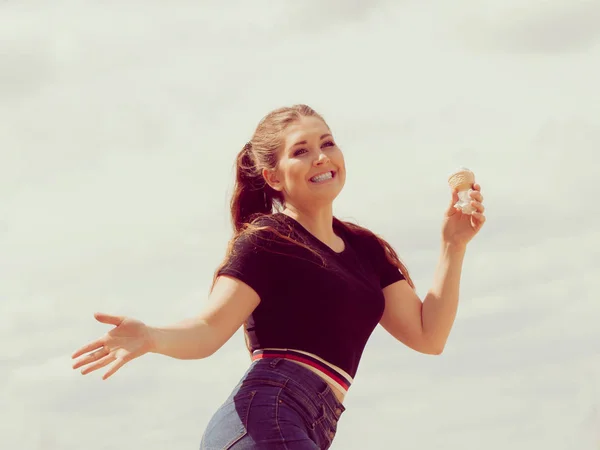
459 228
129 339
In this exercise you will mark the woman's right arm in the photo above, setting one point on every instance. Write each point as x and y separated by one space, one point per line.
230 303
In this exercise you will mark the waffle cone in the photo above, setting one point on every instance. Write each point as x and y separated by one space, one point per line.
461 179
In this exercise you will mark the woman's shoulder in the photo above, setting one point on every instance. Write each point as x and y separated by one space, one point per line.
366 242
267 220
358 235
265 231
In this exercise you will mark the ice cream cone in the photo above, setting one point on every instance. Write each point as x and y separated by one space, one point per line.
462 179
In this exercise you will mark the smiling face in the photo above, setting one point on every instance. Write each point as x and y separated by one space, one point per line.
310 170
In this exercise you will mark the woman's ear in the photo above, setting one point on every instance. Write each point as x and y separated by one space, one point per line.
272 179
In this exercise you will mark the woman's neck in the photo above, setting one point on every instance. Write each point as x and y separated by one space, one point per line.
318 222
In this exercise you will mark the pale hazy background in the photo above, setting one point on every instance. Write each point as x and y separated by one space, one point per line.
119 124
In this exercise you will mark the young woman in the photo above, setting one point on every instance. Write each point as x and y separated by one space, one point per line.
308 288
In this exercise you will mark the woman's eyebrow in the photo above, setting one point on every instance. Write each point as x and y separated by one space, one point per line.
304 142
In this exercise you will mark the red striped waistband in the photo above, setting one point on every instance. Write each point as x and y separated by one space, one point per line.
342 381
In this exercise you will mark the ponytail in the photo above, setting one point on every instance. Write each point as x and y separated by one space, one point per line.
252 196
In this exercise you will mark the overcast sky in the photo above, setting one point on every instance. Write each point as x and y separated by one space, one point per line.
119 125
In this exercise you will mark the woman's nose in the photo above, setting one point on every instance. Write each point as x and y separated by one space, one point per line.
322 159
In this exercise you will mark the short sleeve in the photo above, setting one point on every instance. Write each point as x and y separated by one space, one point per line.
388 272
250 262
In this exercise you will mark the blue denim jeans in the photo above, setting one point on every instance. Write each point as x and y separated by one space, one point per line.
278 404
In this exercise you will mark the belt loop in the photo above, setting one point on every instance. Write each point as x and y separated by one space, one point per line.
273 363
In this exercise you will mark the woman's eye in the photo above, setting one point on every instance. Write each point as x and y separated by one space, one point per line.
299 151
328 144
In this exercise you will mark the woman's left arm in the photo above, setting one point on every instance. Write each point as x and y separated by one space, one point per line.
425 326
441 302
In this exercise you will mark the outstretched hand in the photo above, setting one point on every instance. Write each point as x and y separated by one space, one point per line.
129 339
459 228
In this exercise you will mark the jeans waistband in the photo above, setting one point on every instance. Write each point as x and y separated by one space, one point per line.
338 378
301 378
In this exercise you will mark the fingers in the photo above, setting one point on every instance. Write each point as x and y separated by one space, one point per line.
477 201
116 366
478 206
100 355
477 220
108 319
101 358
99 364
98 343
95 356
104 318
476 195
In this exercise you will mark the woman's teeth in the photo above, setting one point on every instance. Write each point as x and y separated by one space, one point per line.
322 177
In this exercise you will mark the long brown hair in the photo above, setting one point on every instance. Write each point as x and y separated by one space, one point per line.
253 198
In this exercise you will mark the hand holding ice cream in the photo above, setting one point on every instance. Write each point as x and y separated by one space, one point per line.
460 227
463 180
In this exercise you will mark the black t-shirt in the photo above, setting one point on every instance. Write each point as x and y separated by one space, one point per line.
326 304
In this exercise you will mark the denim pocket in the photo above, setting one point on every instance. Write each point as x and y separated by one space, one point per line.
314 415
319 418
230 422
323 426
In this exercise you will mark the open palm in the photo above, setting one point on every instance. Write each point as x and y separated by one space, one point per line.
129 339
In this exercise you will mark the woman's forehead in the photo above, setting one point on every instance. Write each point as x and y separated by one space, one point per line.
305 128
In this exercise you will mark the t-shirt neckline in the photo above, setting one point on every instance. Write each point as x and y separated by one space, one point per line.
322 244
